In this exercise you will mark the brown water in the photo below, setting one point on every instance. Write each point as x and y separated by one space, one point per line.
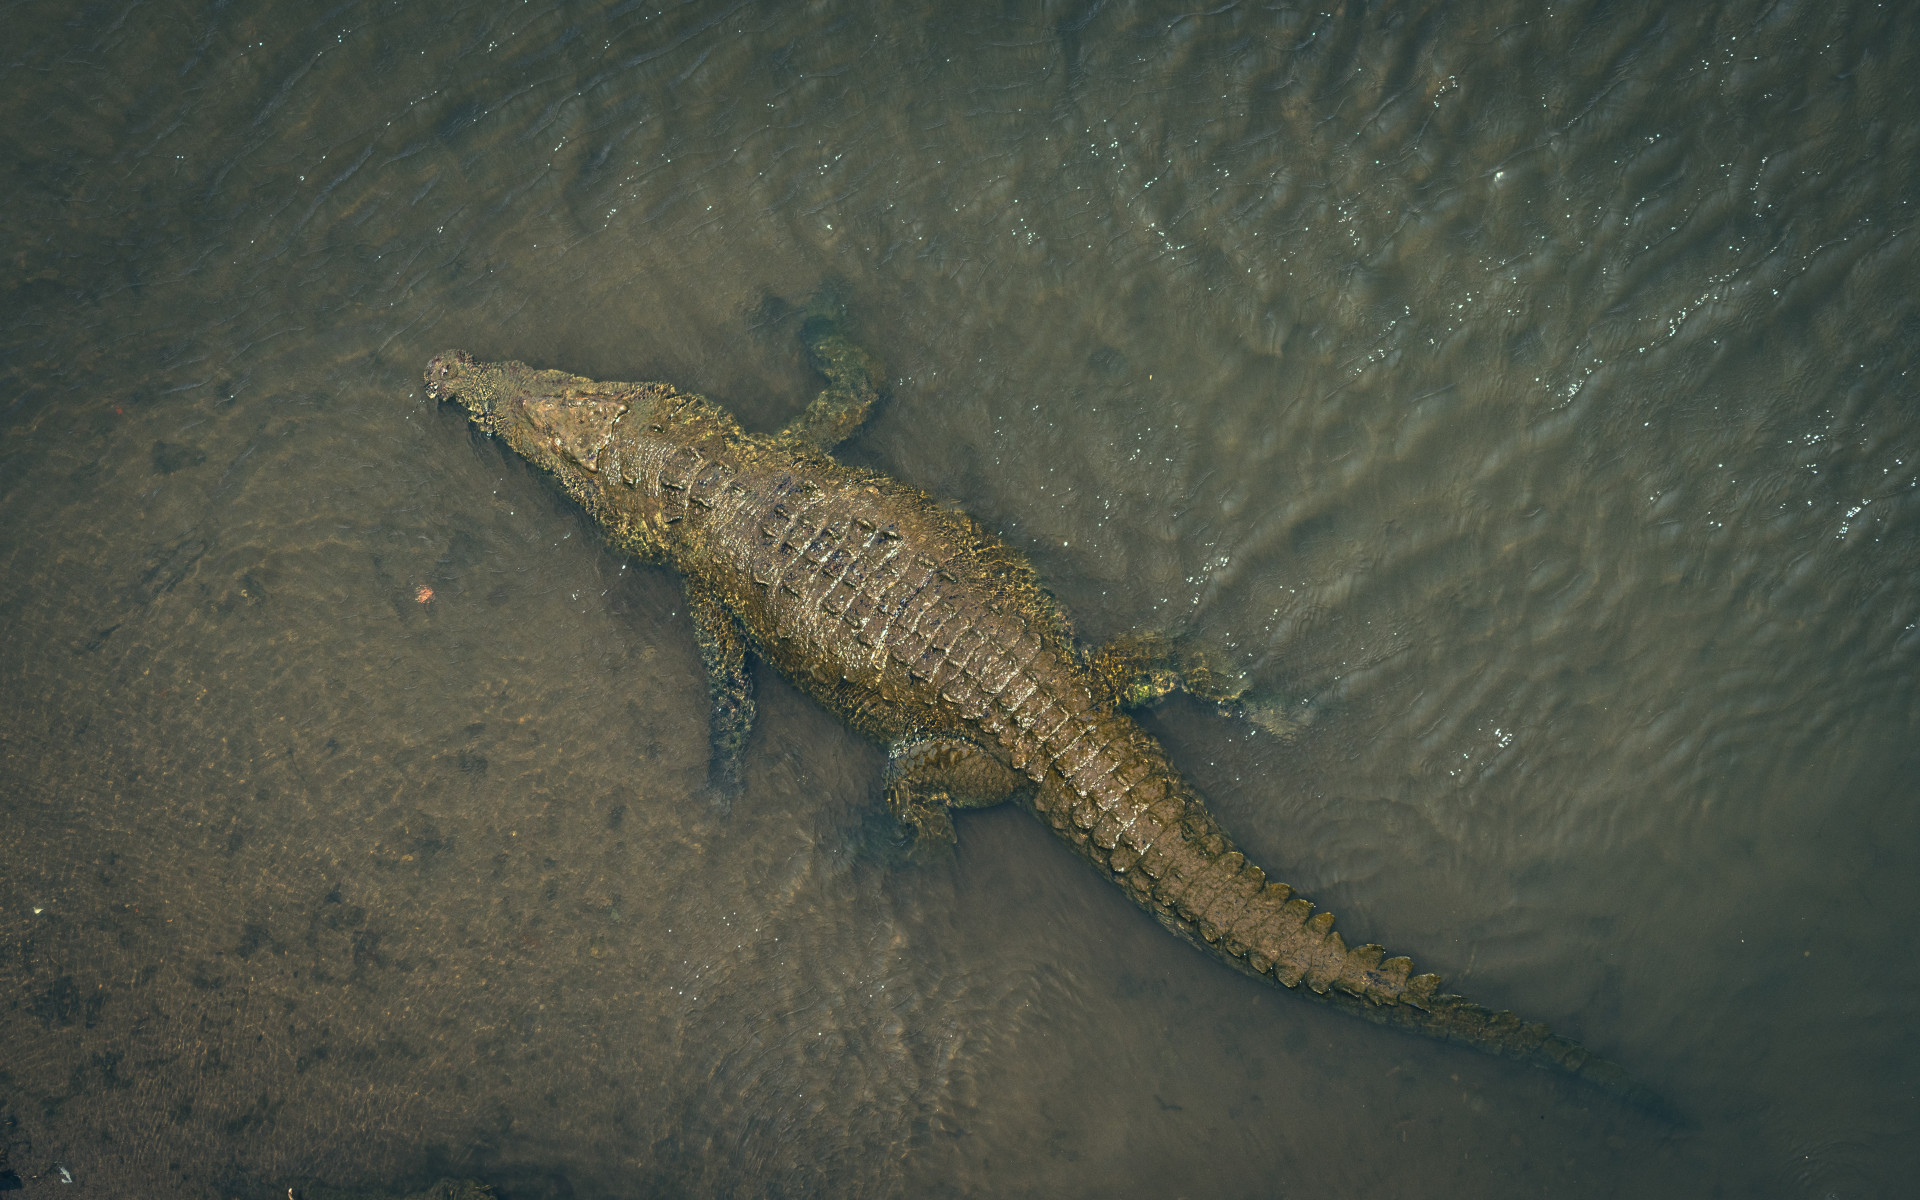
1522 395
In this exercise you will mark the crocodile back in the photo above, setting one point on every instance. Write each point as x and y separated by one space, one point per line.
901 616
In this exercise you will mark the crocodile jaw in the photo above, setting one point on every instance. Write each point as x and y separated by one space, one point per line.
447 379
541 415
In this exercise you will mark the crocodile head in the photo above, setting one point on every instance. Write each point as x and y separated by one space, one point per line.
556 421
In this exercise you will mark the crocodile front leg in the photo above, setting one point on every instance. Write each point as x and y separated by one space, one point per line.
723 649
926 777
850 393
1138 668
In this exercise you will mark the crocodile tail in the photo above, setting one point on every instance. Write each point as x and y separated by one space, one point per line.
1200 885
1453 1018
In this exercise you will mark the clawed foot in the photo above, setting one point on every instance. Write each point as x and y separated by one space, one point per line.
851 374
725 782
926 825
1284 719
1144 667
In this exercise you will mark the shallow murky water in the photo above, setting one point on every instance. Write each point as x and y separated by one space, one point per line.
1521 395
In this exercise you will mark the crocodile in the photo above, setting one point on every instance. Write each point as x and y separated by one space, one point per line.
924 631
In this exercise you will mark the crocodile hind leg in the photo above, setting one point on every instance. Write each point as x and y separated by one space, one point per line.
1137 669
926 777
723 648
850 393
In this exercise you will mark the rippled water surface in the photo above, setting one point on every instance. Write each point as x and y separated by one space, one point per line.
1521 395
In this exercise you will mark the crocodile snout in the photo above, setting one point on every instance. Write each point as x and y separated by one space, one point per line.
440 371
